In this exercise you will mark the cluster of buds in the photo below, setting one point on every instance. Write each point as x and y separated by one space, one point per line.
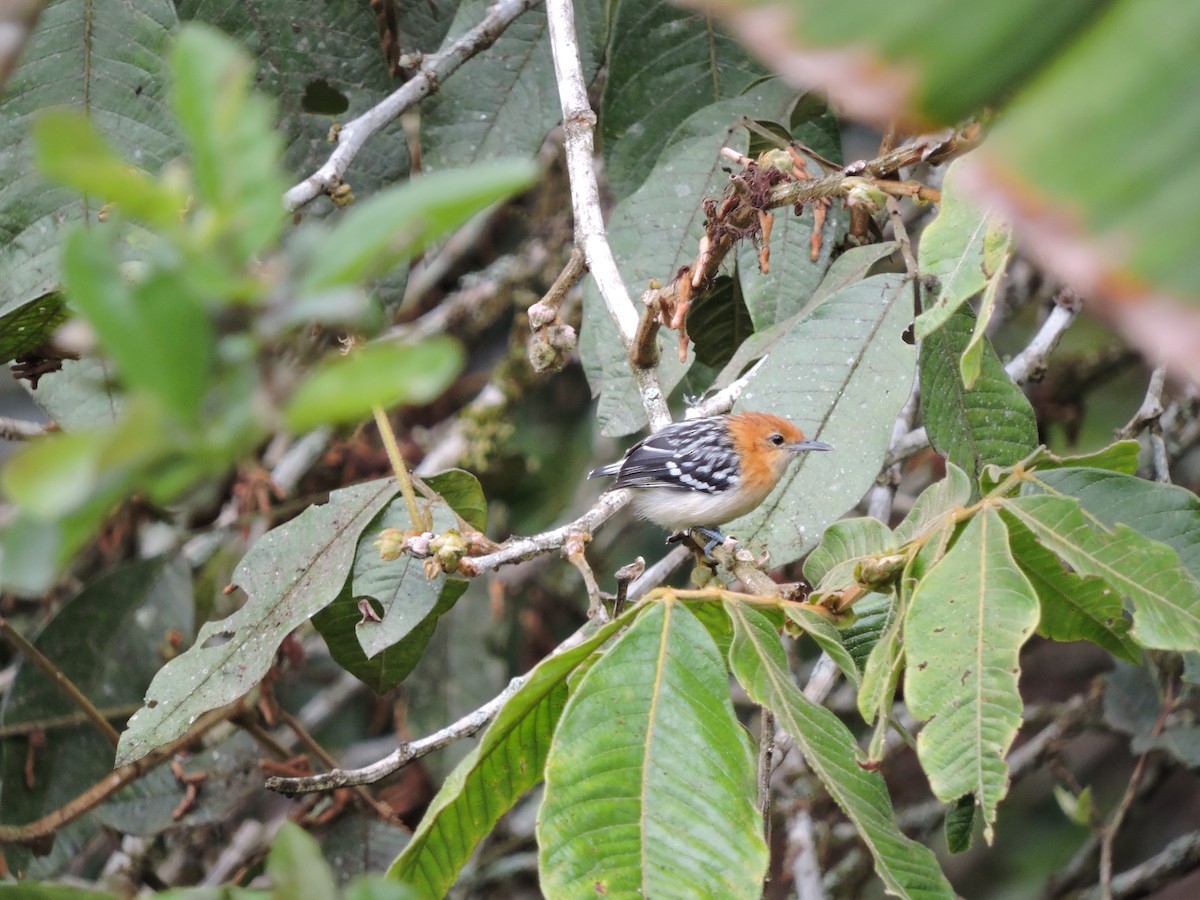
441 552
551 340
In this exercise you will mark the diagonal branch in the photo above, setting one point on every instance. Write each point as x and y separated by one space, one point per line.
579 122
434 70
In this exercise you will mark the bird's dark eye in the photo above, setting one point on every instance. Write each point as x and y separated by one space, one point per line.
776 439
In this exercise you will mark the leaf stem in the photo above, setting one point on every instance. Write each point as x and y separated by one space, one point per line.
420 521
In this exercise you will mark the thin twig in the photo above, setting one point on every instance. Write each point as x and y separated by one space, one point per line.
766 747
37 833
1109 835
465 727
61 681
69 720
1178 858
435 69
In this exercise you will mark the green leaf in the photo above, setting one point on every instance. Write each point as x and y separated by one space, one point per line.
906 868
959 826
842 374
658 697
73 152
508 760
115 71
695 65
848 269
1026 151
342 625
291 573
462 491
234 148
966 623
156 331
1164 594
503 101
296 866
881 675
991 422
29 326
396 223
831 565
1074 607
971 362
108 640
872 616
717 322
1121 456
1161 512
952 252
653 233
828 639
344 388
933 507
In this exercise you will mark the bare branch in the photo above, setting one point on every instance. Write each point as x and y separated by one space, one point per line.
434 70
526 548
468 725
579 121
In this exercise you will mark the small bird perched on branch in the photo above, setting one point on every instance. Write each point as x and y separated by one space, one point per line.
702 473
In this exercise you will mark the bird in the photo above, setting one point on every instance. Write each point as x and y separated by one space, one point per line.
701 473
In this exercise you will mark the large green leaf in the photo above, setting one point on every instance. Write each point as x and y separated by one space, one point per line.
503 101
1074 607
831 565
292 572
325 52
842 374
650 721
966 623
906 868
848 269
107 57
108 641
935 505
508 760
1161 512
692 64
718 322
1165 595
989 423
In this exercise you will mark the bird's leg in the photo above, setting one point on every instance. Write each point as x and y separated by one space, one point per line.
714 537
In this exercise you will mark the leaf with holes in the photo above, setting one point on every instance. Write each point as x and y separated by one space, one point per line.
966 623
290 573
